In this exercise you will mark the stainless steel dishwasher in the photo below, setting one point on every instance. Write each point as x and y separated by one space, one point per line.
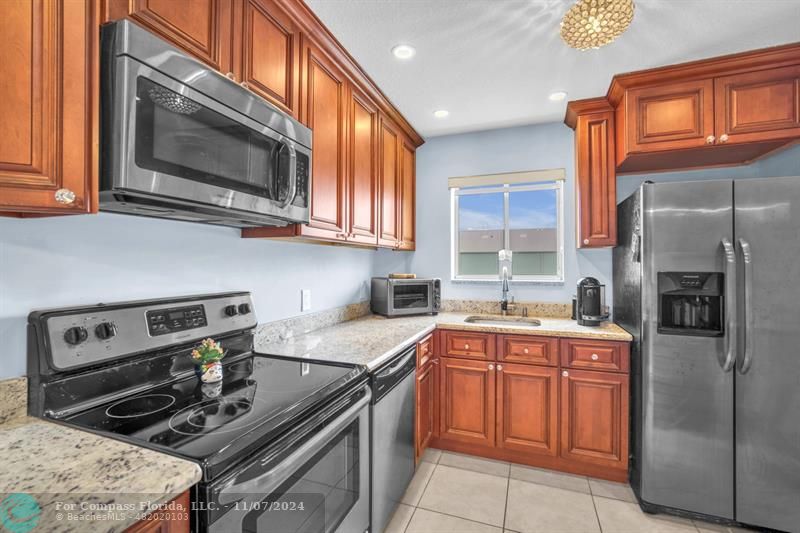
392 443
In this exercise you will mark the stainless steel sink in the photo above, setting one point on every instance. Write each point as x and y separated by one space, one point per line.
499 320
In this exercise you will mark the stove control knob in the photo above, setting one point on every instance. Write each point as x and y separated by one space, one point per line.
244 309
231 310
105 330
75 335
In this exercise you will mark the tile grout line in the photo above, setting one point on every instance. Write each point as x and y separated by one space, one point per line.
459 517
508 489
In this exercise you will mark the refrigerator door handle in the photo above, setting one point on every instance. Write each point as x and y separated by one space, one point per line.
747 260
730 304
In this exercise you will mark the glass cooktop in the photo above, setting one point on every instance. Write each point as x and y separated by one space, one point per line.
259 397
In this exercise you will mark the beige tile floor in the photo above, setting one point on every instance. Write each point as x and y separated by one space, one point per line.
453 493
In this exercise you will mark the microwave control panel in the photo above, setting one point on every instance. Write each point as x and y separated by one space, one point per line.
163 321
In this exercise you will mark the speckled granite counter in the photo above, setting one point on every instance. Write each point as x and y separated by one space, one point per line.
372 340
65 470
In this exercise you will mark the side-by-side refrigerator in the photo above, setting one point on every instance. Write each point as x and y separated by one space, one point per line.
707 280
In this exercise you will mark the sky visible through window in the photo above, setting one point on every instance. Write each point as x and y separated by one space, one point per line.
527 210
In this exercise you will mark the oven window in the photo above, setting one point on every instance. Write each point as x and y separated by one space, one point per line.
176 135
410 296
327 485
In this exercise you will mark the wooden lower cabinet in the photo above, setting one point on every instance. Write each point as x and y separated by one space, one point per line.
173 521
527 408
425 418
594 418
467 401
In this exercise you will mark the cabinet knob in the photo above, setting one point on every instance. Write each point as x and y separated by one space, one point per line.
595 357
565 373
466 346
710 139
585 241
245 85
524 350
499 368
65 196
723 138
491 366
230 76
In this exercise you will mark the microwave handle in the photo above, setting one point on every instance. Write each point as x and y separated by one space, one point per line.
269 481
292 175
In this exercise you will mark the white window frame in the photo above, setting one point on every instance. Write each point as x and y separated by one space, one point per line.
456 192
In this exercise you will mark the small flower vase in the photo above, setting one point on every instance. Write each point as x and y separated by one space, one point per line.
210 372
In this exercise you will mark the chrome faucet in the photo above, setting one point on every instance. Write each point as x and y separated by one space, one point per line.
505 306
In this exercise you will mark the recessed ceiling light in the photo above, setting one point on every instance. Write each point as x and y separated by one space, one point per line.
441 113
404 51
557 96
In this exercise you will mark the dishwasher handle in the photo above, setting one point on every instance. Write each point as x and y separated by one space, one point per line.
386 378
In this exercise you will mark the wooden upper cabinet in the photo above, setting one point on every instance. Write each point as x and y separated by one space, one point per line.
203 28
596 183
407 196
594 418
670 117
362 169
389 186
49 107
467 401
270 63
324 111
527 418
758 106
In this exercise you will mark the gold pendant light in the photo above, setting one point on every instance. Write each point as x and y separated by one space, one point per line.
595 23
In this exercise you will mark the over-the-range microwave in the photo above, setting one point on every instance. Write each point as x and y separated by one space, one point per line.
180 140
399 297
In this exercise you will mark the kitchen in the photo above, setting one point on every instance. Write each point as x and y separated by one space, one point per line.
253 171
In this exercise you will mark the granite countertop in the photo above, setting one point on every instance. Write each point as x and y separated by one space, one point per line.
66 470
372 340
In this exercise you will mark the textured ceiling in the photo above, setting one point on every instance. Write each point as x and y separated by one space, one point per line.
492 63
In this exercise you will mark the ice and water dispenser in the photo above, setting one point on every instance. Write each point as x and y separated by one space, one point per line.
691 303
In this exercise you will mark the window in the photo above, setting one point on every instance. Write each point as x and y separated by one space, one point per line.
502 212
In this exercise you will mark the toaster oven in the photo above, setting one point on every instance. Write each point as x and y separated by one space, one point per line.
403 297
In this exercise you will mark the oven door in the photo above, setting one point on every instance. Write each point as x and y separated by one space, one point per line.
315 480
164 139
410 297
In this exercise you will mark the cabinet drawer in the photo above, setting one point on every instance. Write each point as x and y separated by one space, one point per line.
598 355
468 345
424 351
527 349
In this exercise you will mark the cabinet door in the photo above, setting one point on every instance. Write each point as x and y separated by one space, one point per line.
324 111
362 169
467 401
426 395
407 197
389 187
596 180
527 417
468 345
200 27
271 54
527 349
670 116
177 520
758 106
594 418
49 106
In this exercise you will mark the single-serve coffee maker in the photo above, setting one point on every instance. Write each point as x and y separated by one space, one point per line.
589 305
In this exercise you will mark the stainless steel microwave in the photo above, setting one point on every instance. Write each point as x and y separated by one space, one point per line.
400 297
180 140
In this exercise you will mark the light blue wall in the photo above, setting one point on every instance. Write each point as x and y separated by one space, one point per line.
65 261
487 152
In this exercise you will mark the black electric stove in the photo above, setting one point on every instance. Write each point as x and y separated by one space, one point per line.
138 383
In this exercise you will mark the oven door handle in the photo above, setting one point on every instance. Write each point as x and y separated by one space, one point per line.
269 481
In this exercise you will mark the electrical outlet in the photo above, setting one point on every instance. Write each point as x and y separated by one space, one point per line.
305 300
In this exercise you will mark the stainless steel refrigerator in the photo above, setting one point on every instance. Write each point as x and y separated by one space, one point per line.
707 280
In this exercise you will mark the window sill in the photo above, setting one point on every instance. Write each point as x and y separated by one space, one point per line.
479 281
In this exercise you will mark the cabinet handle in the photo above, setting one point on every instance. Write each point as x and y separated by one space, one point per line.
723 138
524 350
342 236
230 76
595 357
466 346
565 373
499 368
491 367
585 241
245 85
710 139
65 196
435 362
